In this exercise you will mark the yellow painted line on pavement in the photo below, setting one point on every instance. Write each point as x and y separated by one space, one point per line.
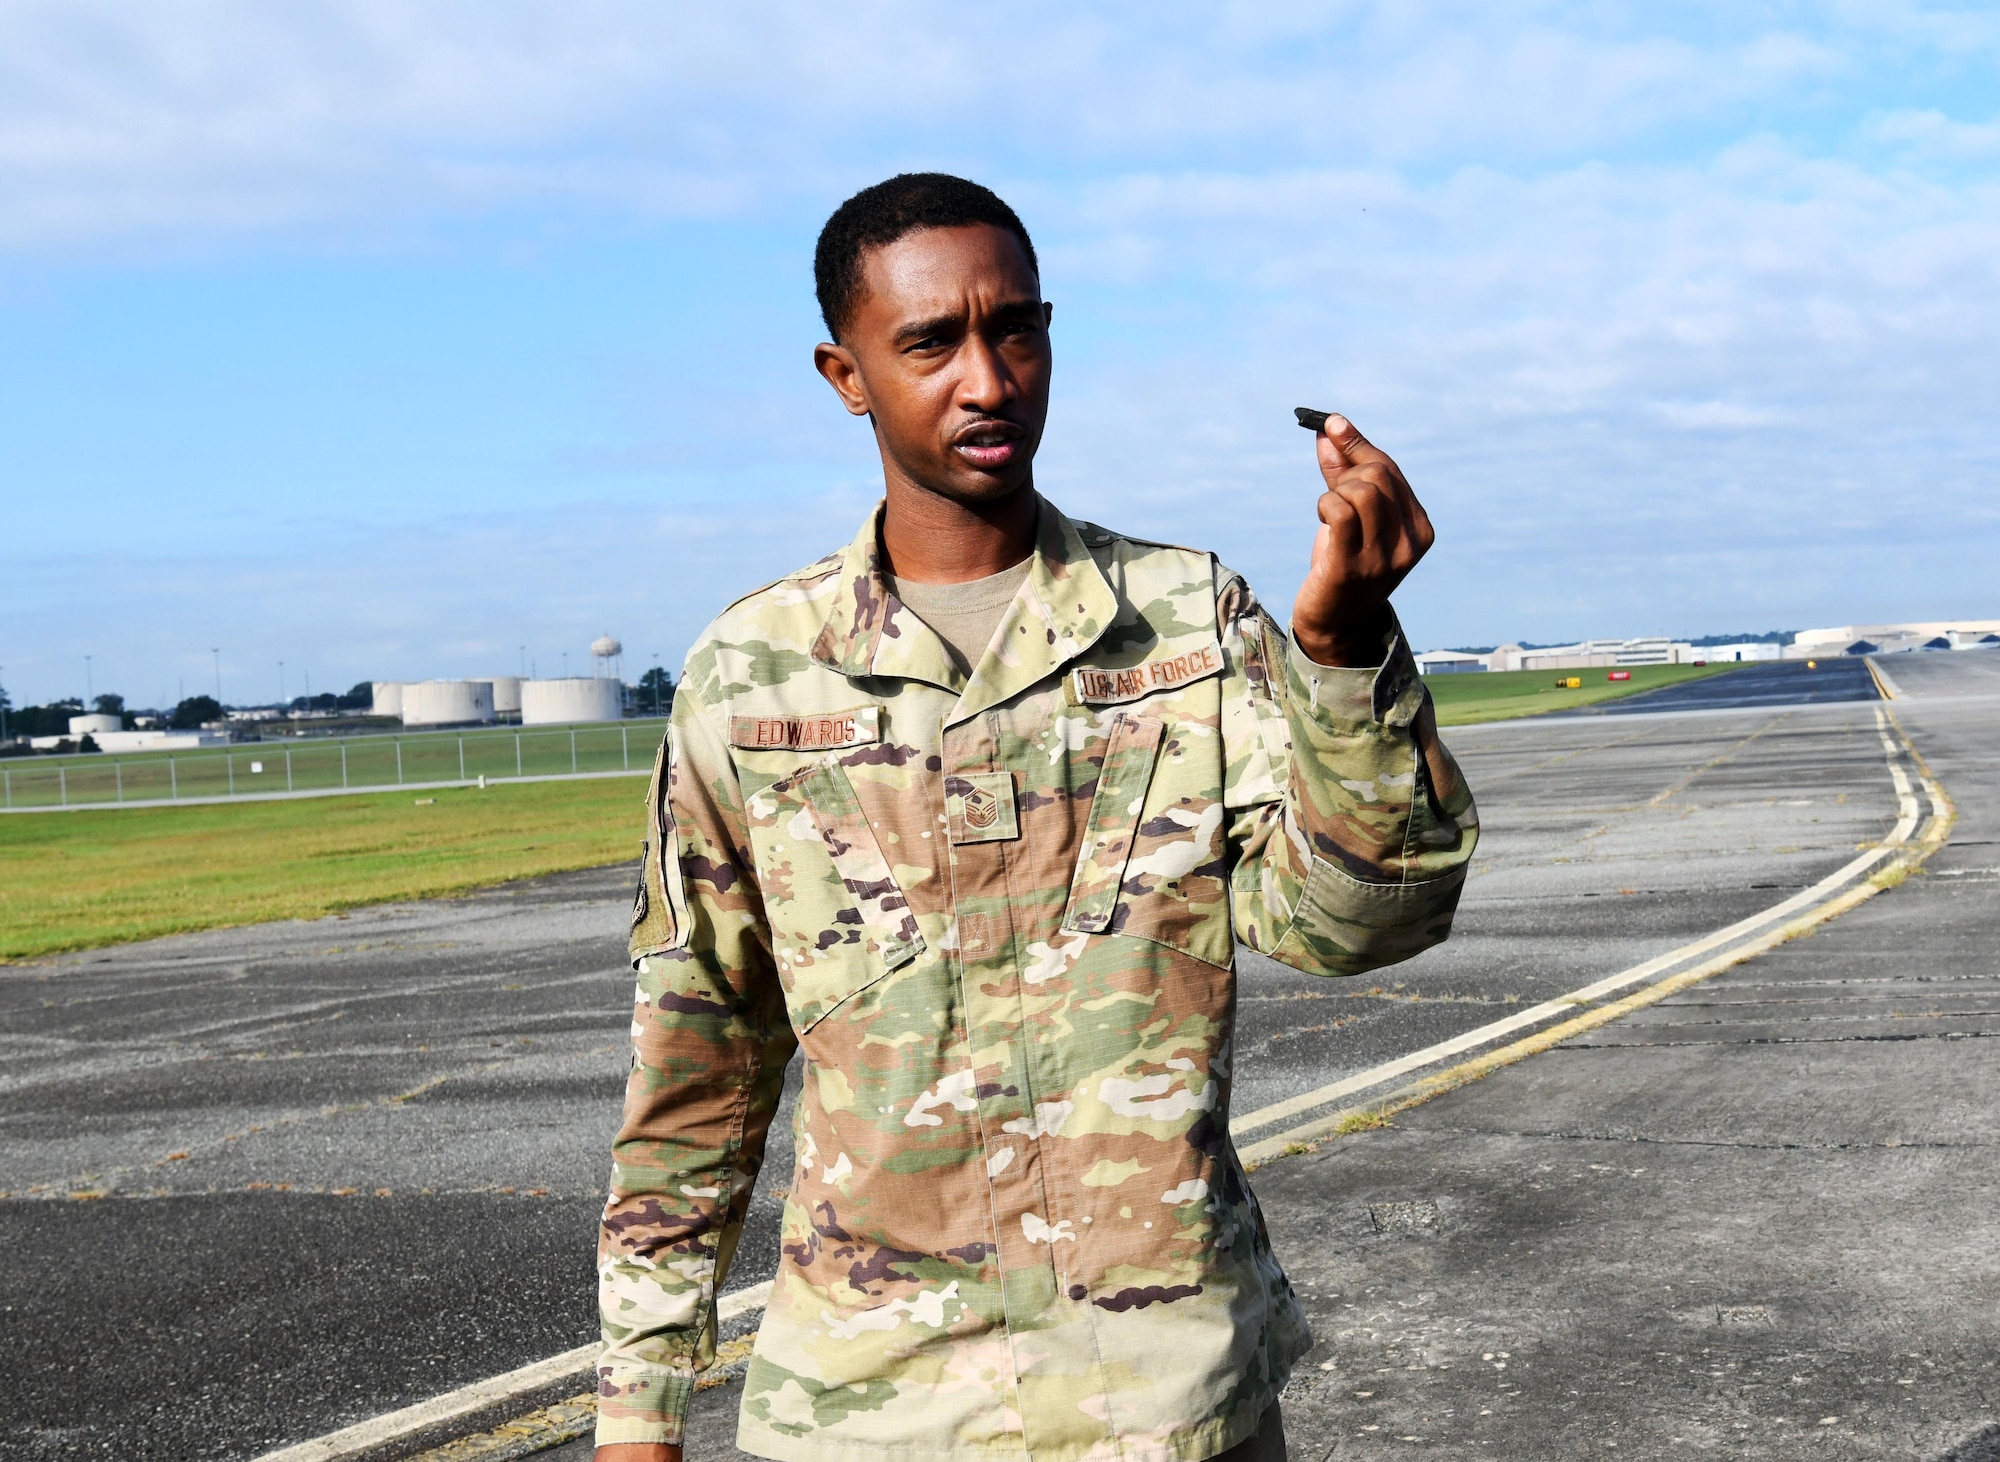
1311 1135
1906 823
1885 687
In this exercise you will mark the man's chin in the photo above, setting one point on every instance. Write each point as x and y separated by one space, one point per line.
974 489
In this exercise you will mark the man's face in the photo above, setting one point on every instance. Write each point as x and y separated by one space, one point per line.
948 350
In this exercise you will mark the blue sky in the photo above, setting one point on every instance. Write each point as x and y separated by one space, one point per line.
387 340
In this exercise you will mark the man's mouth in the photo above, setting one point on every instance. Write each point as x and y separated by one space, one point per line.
989 444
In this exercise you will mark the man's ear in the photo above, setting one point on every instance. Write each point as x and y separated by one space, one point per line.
843 373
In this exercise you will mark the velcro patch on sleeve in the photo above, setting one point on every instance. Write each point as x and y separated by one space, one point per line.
831 732
1092 686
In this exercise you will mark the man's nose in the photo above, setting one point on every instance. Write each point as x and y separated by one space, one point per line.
984 383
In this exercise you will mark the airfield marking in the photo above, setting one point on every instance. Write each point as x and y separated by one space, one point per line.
365 1437
378 1432
1889 689
1309 1135
1566 1004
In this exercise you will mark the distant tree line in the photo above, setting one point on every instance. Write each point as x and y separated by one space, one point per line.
48 720
195 712
654 693
361 698
1768 637
25 722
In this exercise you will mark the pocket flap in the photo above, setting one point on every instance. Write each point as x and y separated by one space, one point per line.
1114 817
887 926
659 909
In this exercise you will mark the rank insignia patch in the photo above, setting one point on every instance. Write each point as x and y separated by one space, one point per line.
980 806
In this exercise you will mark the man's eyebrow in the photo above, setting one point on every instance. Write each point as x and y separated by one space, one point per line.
1011 311
936 325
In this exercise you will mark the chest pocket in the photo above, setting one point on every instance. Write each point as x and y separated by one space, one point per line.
843 926
1154 860
1129 753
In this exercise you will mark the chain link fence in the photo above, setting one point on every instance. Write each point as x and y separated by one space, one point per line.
331 765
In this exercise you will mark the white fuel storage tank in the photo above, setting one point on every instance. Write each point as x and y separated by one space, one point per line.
388 698
571 698
89 725
506 694
447 702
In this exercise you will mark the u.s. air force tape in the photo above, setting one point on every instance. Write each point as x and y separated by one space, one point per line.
828 732
1094 686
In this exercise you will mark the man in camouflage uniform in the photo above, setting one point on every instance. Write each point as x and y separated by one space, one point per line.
992 887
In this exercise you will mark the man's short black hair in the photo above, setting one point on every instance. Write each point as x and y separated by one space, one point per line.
884 213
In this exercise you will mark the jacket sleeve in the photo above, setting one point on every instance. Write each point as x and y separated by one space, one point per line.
1351 824
710 1040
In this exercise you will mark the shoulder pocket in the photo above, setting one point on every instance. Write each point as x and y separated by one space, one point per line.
875 931
659 910
1114 817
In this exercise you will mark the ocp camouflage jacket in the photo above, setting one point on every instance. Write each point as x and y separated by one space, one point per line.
998 913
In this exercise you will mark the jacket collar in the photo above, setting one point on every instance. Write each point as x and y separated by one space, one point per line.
1063 608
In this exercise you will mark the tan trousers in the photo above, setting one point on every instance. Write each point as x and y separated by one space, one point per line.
1267 1446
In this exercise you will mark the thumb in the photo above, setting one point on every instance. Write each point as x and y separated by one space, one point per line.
1345 445
1344 435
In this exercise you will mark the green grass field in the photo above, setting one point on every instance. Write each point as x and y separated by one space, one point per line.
1463 700
78 880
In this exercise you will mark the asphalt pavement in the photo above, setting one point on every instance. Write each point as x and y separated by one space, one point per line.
262 1183
1752 686
1760 1219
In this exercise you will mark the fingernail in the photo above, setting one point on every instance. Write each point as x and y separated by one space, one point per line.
1337 425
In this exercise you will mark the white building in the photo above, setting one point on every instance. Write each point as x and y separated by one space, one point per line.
1584 655
105 734
1449 662
506 694
1752 650
1935 634
159 739
572 698
447 702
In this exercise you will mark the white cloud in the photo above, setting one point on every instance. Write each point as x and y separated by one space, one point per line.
1931 133
187 119
1682 298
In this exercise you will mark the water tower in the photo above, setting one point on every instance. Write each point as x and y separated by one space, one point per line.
607 658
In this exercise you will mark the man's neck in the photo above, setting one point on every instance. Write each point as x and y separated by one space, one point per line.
931 539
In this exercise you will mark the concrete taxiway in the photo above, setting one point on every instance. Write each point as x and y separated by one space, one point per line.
264 1183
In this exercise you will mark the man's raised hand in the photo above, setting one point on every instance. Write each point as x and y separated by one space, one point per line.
1372 531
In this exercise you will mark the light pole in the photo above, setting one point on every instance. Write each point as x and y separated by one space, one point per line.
89 686
281 685
218 673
